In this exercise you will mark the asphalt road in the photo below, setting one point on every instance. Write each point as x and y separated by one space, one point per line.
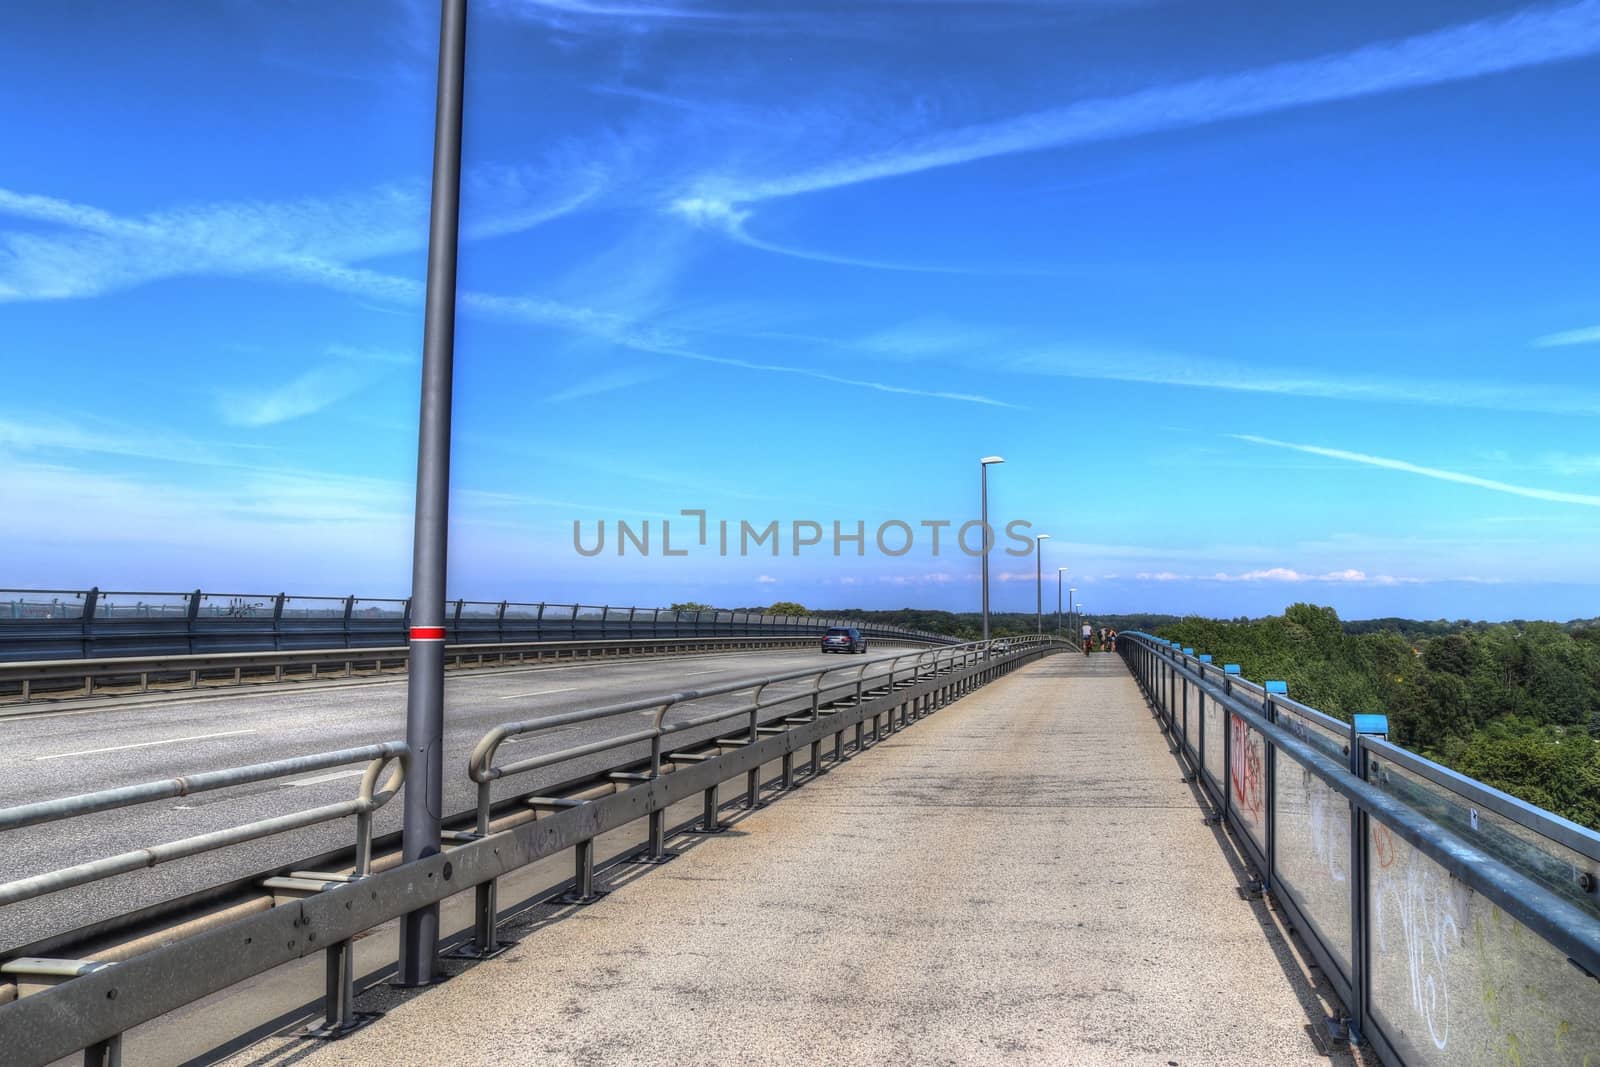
61 754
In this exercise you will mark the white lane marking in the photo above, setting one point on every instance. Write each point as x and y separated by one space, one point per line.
334 777
144 744
691 674
541 693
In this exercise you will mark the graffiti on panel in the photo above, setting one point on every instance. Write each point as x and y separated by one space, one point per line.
1330 826
1245 769
1426 905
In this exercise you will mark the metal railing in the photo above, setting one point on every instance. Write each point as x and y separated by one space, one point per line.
34 974
95 623
23 682
88 1004
1456 923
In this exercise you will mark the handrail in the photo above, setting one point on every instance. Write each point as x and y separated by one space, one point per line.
65 1011
24 673
369 799
1569 928
482 769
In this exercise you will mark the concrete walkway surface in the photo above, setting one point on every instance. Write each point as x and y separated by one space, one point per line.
1022 878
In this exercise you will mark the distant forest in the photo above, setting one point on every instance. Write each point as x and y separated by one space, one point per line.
1515 705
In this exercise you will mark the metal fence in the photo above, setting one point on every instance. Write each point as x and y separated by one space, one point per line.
1458 925
83 624
55 1000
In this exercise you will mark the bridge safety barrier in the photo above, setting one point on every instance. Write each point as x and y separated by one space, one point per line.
87 1004
1457 924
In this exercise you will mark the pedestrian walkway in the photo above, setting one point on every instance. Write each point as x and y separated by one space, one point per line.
1022 878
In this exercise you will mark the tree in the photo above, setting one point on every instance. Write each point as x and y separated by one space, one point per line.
786 607
691 605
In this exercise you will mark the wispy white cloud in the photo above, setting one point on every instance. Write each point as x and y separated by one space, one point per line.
1111 363
86 251
1552 495
766 579
647 345
346 371
1287 576
603 383
725 218
309 242
1587 336
1528 38
545 9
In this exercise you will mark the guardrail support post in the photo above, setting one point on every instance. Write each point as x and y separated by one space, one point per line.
107 1053
583 888
710 823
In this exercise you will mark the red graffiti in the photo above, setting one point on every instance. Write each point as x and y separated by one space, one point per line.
1383 845
1246 770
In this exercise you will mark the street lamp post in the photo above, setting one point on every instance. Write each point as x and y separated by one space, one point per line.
1038 582
420 834
1059 572
983 466
1072 625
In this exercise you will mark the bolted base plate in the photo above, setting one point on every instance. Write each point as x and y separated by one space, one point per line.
334 1033
719 828
645 857
572 897
471 951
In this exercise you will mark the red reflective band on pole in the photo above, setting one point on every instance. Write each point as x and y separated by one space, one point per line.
427 633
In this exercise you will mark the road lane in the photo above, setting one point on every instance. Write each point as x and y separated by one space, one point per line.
151 741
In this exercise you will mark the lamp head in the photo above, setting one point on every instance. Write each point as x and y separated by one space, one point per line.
986 460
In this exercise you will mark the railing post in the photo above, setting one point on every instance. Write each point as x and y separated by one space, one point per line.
91 602
1228 672
107 1053
1360 897
1271 710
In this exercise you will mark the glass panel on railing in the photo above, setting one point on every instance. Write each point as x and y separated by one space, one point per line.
478 611
1566 870
1212 722
522 612
587 612
313 607
385 609
1247 779
1323 732
121 606
224 607
41 604
1312 827
1456 981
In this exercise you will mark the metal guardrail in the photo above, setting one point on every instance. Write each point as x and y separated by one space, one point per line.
34 974
22 683
95 623
91 1004
1456 924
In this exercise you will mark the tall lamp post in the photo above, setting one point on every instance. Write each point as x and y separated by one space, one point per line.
1038 582
1072 626
420 836
983 480
1059 572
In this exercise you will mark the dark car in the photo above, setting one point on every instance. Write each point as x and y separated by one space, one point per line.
843 639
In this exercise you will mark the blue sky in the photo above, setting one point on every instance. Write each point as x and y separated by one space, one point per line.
1260 302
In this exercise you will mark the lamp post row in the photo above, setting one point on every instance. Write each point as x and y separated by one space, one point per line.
1038 558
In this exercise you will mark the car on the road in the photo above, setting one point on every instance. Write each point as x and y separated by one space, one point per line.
843 639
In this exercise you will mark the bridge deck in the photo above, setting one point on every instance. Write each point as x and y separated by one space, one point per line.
1021 878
